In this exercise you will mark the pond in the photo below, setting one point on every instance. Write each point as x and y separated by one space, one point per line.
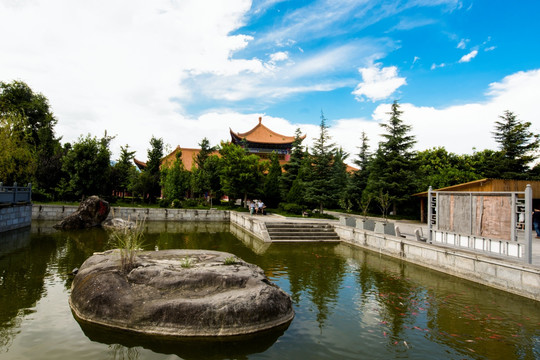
350 303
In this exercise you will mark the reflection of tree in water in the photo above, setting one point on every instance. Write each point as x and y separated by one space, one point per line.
75 246
313 269
22 276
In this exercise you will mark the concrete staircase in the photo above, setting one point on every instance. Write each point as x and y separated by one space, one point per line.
301 232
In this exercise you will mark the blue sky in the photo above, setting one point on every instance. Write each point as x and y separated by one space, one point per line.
182 70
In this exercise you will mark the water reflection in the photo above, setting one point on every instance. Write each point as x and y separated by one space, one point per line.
350 303
413 303
239 347
23 265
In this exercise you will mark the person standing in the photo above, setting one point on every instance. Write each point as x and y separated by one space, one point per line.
536 222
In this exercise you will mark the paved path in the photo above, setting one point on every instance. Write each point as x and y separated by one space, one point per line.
406 226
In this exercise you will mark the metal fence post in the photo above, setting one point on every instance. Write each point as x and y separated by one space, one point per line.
14 193
528 222
29 192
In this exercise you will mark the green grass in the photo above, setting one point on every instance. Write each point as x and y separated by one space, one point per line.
128 241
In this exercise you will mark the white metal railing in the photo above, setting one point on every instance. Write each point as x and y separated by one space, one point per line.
15 194
515 242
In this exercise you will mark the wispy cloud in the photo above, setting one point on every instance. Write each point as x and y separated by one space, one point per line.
469 56
378 82
462 43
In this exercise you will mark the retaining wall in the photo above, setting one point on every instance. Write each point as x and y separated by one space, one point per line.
15 216
250 224
520 279
58 212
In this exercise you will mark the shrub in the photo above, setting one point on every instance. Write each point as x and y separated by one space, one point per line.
191 203
163 203
291 208
177 204
231 260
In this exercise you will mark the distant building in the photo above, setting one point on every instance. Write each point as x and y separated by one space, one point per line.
260 141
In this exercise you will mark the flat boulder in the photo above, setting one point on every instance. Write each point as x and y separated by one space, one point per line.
91 213
179 293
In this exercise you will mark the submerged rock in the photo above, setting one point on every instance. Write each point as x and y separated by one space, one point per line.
91 213
197 293
118 224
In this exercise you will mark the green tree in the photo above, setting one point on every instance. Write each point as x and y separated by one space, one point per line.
33 122
392 168
292 168
17 159
175 180
359 179
439 168
241 174
124 170
152 182
200 175
342 180
517 143
320 188
88 166
272 194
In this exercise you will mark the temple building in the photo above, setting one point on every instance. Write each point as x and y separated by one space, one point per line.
260 141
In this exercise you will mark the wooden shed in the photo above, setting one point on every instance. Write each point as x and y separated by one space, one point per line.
484 185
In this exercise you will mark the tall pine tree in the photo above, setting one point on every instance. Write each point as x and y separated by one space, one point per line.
517 143
392 170
292 168
320 188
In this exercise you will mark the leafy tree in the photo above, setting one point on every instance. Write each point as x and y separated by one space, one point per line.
487 163
438 168
517 143
17 159
292 168
33 122
320 188
272 192
241 174
87 164
175 180
153 174
392 168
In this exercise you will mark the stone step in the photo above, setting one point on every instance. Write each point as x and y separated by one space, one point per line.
301 232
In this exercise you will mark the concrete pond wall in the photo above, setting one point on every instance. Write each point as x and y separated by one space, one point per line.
517 278
58 212
15 216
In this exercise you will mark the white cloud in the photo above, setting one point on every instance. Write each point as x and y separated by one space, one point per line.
469 56
491 48
279 56
462 44
378 83
435 66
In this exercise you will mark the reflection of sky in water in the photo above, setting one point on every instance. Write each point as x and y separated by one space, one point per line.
349 303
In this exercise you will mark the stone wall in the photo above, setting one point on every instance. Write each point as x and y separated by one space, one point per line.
58 212
15 216
517 278
248 223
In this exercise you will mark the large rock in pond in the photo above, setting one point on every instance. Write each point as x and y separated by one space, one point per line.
196 293
90 213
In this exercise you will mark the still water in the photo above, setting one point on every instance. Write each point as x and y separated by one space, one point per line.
349 303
